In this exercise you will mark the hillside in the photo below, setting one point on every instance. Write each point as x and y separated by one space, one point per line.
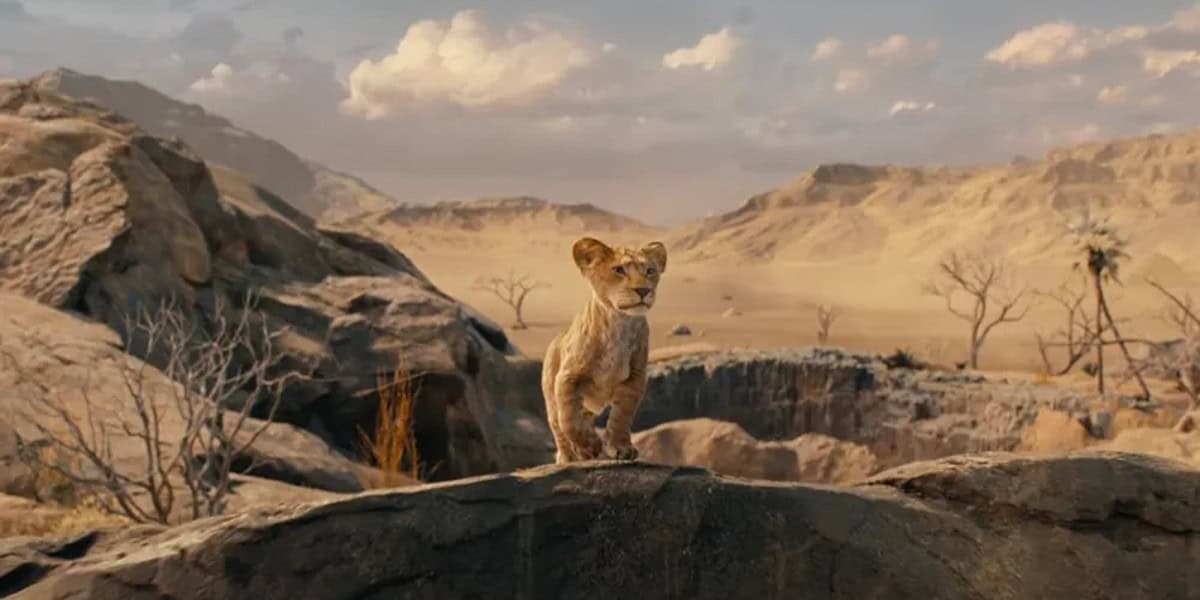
490 214
500 224
316 190
883 214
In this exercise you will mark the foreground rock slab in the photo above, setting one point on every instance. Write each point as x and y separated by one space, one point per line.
1083 525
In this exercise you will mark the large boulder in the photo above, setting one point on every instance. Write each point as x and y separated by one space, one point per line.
727 449
49 355
310 187
1087 525
901 415
99 218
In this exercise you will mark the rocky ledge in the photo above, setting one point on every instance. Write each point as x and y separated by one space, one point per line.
901 415
1082 525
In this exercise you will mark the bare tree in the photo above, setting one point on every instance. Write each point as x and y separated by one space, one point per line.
978 289
826 316
512 290
1101 249
1185 362
1077 337
189 429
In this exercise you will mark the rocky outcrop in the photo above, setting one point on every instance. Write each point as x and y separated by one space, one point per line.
99 218
901 415
1088 525
312 188
82 366
727 449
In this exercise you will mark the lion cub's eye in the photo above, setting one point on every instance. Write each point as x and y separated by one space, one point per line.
619 270
651 271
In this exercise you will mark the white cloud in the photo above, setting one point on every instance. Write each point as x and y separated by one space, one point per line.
713 51
901 49
911 106
464 63
851 81
1161 62
1113 94
217 81
1059 43
827 49
251 80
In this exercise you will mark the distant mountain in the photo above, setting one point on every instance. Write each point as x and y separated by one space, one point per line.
314 189
1149 186
505 213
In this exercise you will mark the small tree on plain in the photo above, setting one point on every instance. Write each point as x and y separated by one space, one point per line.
826 316
190 429
978 289
512 290
1101 249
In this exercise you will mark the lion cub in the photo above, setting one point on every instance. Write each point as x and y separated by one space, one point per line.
601 359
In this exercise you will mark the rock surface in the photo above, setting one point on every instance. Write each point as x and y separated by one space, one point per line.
314 189
1053 430
727 449
901 415
1085 525
99 218
82 362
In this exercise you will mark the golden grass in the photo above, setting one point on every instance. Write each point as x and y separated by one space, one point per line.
20 517
393 446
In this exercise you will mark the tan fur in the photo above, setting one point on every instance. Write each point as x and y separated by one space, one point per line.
601 359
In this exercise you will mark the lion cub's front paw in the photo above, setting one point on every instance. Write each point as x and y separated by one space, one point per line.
622 452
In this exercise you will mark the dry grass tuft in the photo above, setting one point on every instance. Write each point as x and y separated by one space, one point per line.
20 517
393 447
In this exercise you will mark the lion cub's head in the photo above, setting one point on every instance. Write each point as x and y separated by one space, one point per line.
622 278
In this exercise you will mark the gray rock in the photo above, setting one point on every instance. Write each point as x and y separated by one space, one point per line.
101 219
1086 525
681 330
901 415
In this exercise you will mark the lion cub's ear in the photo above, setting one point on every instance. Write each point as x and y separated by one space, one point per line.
589 251
657 252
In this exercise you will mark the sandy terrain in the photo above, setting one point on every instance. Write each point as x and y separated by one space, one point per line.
864 239
882 307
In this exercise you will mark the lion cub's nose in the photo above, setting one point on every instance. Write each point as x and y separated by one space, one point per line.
643 292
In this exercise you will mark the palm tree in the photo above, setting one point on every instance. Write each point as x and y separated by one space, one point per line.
1101 249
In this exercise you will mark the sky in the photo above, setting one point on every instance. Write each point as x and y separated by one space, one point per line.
666 110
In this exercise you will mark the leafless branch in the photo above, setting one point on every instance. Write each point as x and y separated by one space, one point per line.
978 289
512 290
1077 337
1182 358
826 316
189 426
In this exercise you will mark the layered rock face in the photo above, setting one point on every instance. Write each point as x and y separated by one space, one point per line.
1087 525
99 218
902 416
